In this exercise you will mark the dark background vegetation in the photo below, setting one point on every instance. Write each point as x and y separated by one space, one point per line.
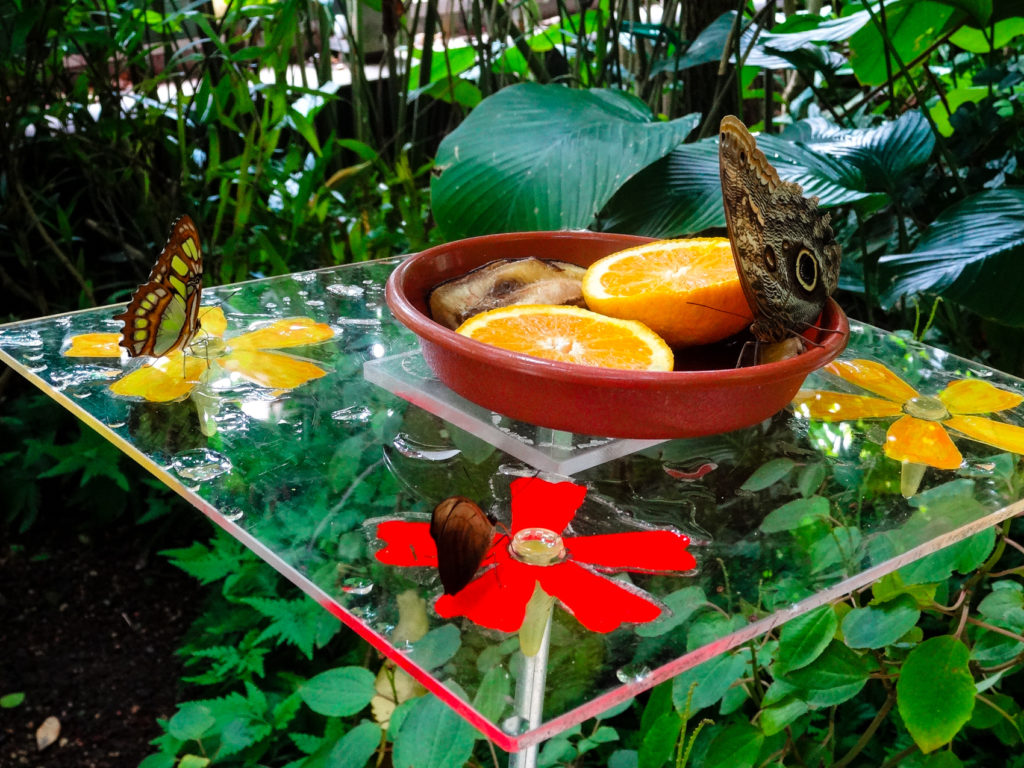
905 118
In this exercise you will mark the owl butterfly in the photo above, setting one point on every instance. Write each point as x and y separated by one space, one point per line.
783 246
463 534
163 314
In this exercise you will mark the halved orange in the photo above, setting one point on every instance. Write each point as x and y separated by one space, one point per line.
571 335
686 291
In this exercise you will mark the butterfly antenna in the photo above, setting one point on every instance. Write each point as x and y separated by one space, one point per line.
718 309
819 329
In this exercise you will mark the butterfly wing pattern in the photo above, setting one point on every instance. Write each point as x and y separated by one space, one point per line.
163 314
785 251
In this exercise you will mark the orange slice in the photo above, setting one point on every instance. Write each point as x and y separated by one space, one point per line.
686 291
571 335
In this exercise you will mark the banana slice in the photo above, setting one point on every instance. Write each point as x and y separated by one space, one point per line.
503 283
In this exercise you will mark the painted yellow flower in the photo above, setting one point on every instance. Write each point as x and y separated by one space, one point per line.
248 355
920 435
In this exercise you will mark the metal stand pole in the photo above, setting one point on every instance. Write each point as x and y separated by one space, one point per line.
530 698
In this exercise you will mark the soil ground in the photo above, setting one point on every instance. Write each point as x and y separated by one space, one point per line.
88 630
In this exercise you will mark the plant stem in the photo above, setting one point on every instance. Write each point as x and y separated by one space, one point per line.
994 628
939 138
869 732
31 213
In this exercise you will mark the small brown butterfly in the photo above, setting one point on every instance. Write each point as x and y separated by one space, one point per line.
785 252
462 534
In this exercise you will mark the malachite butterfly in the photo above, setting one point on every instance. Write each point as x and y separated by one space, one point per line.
163 314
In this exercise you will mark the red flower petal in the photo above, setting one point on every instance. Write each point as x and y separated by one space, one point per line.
409 544
633 551
598 603
497 598
537 503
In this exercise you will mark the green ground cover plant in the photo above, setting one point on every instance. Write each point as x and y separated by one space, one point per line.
904 118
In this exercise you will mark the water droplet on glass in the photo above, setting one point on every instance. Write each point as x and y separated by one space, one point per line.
201 464
232 513
353 414
270 305
36 368
34 357
21 339
515 725
81 376
632 673
348 291
412 450
304 277
356 585
116 424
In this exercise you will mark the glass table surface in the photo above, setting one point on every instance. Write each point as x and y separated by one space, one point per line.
291 437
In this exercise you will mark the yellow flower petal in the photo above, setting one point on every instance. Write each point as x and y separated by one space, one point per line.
921 442
289 332
94 345
874 377
839 406
212 320
169 378
1005 437
269 369
977 396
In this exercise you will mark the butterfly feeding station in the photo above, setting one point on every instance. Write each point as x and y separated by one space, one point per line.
536 541
331 479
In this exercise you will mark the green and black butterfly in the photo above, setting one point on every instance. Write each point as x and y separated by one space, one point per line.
163 314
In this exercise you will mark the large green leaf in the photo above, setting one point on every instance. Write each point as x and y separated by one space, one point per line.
803 639
536 157
682 193
971 254
803 28
709 45
736 746
433 736
979 41
884 154
935 692
912 28
876 626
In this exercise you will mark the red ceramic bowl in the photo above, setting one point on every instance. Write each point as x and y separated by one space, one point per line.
586 399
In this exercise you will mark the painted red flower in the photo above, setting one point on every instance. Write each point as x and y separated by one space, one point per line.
498 596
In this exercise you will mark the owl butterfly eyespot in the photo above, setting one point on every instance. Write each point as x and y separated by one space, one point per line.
784 248
462 534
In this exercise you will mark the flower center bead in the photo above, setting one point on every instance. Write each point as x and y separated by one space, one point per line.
926 407
537 546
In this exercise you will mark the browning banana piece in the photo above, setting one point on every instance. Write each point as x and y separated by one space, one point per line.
503 283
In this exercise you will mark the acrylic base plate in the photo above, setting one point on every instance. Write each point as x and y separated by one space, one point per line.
408 376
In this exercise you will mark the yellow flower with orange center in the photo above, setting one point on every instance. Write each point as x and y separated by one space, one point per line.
249 355
920 435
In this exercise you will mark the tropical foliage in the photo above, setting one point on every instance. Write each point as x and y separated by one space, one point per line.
904 117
